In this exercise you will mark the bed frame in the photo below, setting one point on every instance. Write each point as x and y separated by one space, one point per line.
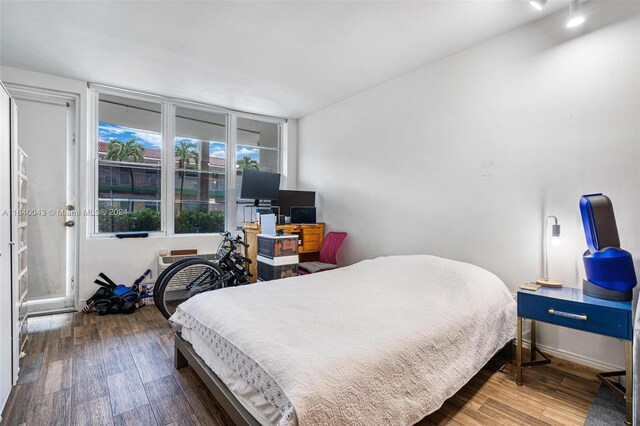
185 355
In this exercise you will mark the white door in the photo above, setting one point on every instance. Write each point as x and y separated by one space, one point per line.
47 129
6 297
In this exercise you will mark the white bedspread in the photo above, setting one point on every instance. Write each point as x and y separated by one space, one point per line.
384 341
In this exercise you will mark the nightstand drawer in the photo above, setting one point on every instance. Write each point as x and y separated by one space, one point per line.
587 317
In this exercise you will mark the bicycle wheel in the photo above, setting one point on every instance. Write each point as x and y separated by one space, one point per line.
163 275
189 278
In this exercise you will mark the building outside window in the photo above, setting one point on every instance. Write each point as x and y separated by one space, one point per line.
129 164
258 148
200 171
147 143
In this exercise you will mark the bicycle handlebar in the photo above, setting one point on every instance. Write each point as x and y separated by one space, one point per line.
229 237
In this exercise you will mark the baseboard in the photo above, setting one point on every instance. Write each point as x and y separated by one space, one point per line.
52 312
579 359
570 356
575 358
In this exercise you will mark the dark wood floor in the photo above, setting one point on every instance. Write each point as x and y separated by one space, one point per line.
117 370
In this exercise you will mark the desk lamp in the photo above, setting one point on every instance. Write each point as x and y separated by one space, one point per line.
555 240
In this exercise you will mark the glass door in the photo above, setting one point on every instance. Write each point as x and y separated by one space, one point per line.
47 128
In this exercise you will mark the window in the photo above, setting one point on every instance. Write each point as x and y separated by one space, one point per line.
200 171
129 164
257 148
167 166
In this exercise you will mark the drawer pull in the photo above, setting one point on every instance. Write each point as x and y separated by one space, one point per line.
568 315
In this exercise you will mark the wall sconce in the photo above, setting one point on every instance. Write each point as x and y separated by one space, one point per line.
555 241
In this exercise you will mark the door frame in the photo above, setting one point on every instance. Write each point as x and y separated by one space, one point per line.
35 94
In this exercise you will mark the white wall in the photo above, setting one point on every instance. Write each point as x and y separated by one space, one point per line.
464 158
123 260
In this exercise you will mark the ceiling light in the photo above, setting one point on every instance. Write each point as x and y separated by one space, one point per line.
537 4
576 15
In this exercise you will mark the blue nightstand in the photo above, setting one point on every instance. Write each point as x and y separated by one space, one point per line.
569 307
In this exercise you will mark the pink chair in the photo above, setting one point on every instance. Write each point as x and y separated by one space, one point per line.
328 254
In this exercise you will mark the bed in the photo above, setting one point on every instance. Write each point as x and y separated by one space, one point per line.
383 341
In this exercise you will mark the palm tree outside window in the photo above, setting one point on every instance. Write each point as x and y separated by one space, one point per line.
247 162
130 163
188 158
130 151
129 147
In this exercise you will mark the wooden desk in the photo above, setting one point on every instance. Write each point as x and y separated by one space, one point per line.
569 307
310 238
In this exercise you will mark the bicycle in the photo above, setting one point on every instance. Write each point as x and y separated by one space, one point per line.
193 276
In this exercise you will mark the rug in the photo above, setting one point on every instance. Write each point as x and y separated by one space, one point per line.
607 409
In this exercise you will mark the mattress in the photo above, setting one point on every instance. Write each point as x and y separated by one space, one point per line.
383 341
251 386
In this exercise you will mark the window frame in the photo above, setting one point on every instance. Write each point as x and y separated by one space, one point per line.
171 194
167 175
280 124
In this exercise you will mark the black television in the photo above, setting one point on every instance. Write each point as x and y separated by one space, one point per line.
288 199
257 185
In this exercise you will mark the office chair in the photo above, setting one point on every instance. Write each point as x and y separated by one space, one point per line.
328 254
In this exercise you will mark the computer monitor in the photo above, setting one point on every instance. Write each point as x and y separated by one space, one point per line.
257 185
302 215
288 199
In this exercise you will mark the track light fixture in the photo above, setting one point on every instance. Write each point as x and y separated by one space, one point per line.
576 15
537 4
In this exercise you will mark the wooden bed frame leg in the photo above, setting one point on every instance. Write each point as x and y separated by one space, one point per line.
179 360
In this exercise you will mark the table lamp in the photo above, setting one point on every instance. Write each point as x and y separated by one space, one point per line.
555 240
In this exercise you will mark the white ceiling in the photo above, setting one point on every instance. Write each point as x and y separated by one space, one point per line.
284 59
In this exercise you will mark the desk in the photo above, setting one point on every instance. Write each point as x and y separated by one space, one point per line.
310 238
569 307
